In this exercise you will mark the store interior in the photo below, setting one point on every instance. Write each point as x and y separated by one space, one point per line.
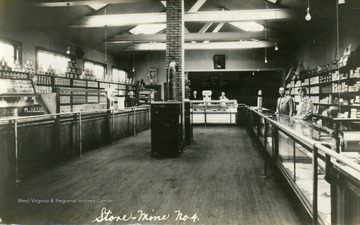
96 107
58 26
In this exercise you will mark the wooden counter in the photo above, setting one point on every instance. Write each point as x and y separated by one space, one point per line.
29 145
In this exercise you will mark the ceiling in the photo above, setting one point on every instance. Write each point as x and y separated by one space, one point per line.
74 18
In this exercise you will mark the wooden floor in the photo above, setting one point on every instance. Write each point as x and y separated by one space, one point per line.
217 180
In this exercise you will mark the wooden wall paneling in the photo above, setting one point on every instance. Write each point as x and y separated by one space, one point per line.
34 148
7 171
94 132
67 132
121 128
131 124
7 154
141 121
110 125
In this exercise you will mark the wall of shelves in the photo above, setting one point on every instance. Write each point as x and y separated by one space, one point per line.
332 87
70 94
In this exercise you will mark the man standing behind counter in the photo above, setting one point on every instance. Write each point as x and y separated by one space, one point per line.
131 100
284 104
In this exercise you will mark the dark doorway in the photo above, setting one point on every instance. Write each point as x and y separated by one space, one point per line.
240 85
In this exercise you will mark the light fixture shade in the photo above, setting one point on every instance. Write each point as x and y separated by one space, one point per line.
68 50
272 1
276 47
308 16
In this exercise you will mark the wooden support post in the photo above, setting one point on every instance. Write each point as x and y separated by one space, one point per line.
80 134
16 151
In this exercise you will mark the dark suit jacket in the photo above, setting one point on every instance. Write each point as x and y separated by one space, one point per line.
285 106
192 97
131 102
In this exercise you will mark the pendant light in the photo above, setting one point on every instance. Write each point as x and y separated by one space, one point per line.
68 35
148 62
308 16
253 62
265 46
105 44
133 69
276 46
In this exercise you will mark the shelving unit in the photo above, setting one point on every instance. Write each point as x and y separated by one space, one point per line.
18 96
333 87
77 99
61 94
145 96
149 94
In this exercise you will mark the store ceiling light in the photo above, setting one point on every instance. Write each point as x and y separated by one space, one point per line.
147 29
204 46
248 26
308 16
201 16
272 1
341 2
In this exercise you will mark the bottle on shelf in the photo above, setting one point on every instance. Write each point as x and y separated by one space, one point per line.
259 99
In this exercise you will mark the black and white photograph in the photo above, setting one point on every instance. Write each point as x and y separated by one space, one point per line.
180 112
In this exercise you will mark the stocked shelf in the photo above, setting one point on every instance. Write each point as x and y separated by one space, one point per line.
329 87
75 99
60 94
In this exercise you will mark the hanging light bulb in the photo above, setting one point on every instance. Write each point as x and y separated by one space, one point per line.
105 38
253 62
133 69
308 16
265 47
68 34
276 47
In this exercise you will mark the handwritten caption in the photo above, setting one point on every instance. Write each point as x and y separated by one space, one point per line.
141 216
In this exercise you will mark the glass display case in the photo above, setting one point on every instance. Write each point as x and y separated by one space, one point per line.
297 149
214 111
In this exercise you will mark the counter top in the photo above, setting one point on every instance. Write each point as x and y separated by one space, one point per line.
303 129
6 120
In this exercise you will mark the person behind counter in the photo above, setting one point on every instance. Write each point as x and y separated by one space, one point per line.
284 104
194 96
131 100
305 108
223 97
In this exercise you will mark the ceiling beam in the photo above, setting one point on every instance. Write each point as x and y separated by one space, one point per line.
203 46
197 5
220 36
212 16
96 7
218 27
82 3
240 15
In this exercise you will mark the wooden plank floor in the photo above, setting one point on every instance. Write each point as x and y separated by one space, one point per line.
218 179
